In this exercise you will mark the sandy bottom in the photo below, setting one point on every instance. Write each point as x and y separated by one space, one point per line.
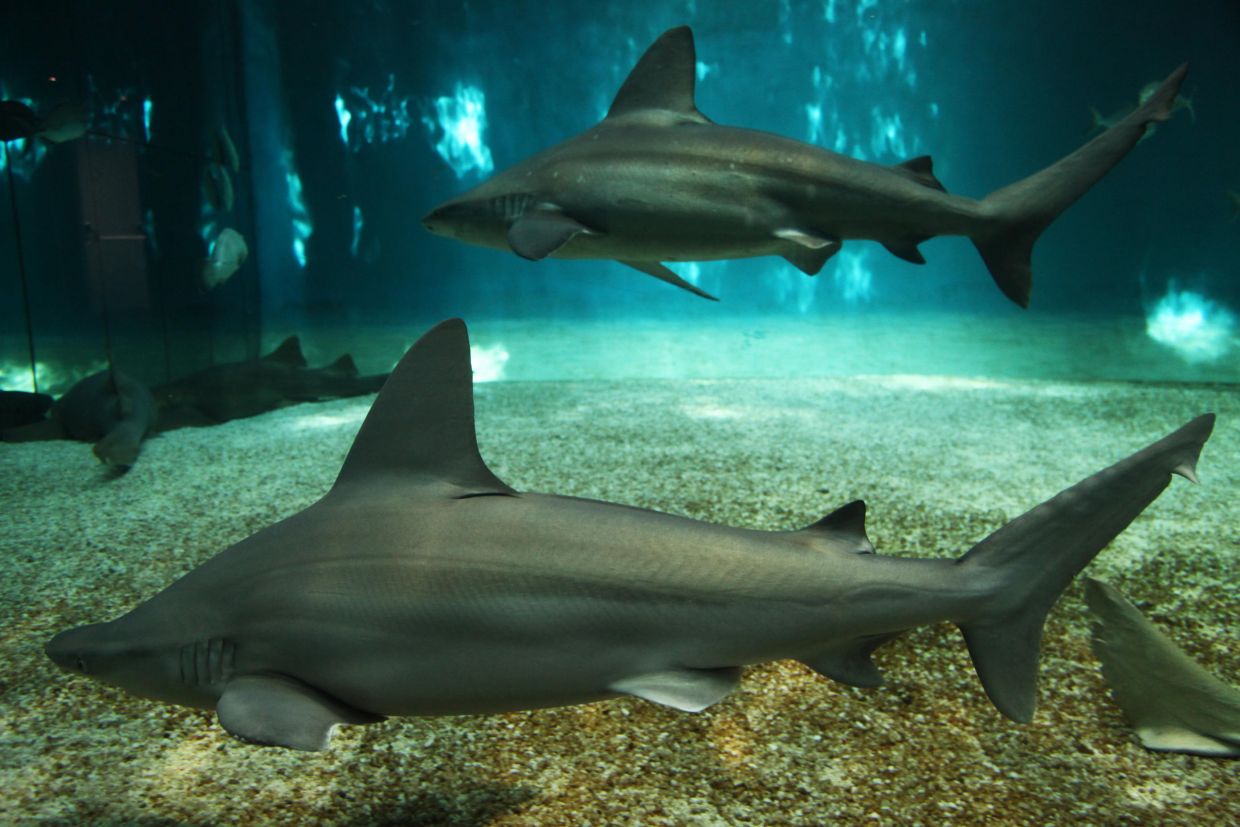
941 462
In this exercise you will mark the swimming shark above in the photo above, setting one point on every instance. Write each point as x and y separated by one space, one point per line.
235 390
1175 705
657 181
421 584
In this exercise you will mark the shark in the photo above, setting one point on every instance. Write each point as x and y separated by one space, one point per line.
422 584
236 390
109 408
658 181
1175 704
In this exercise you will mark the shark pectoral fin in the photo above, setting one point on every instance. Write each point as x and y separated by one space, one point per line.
540 232
662 273
906 248
689 690
1177 739
808 252
851 663
278 711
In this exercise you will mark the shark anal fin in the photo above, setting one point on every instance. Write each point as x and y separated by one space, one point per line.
422 424
689 690
279 711
906 248
662 273
540 232
851 663
808 252
921 170
841 530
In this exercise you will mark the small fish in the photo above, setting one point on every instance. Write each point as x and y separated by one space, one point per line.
1174 704
66 122
217 187
227 255
224 151
1099 122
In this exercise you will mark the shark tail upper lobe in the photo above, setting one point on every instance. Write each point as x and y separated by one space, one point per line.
1018 213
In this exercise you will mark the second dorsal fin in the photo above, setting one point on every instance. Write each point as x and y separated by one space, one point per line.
288 352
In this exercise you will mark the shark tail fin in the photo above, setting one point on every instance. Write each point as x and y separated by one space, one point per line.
1018 213
1031 560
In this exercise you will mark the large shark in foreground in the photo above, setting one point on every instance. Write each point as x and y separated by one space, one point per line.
423 585
657 181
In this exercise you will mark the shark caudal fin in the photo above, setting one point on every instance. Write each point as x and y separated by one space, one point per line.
1031 560
1019 213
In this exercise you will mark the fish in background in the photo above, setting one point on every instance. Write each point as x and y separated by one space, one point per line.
109 408
66 121
422 584
1099 122
1235 204
217 185
228 253
236 390
658 181
18 408
1174 704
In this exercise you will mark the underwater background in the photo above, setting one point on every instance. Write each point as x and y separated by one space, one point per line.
920 388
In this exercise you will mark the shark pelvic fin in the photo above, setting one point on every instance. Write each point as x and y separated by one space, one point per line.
279 711
422 423
689 690
663 273
540 232
808 252
288 352
921 170
663 79
842 530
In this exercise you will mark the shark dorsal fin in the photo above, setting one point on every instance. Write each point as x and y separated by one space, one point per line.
288 353
843 529
921 170
345 365
422 423
663 79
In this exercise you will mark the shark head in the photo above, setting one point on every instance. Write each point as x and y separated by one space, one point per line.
481 216
146 665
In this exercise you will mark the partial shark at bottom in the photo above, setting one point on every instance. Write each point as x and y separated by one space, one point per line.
421 584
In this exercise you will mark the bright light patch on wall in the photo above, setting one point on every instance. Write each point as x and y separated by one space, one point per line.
462 119
343 115
303 226
15 376
358 224
488 362
887 134
813 113
1196 328
828 11
703 70
853 277
147 106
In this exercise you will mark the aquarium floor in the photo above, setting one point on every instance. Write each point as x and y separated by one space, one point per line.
940 461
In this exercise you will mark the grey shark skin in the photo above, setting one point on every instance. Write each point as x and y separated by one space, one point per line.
242 389
657 181
421 584
1174 704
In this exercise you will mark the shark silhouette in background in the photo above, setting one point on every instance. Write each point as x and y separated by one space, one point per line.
658 181
421 584
236 390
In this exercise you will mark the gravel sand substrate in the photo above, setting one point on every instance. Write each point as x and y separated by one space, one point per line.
941 462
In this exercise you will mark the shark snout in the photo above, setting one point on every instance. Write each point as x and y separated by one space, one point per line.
64 652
